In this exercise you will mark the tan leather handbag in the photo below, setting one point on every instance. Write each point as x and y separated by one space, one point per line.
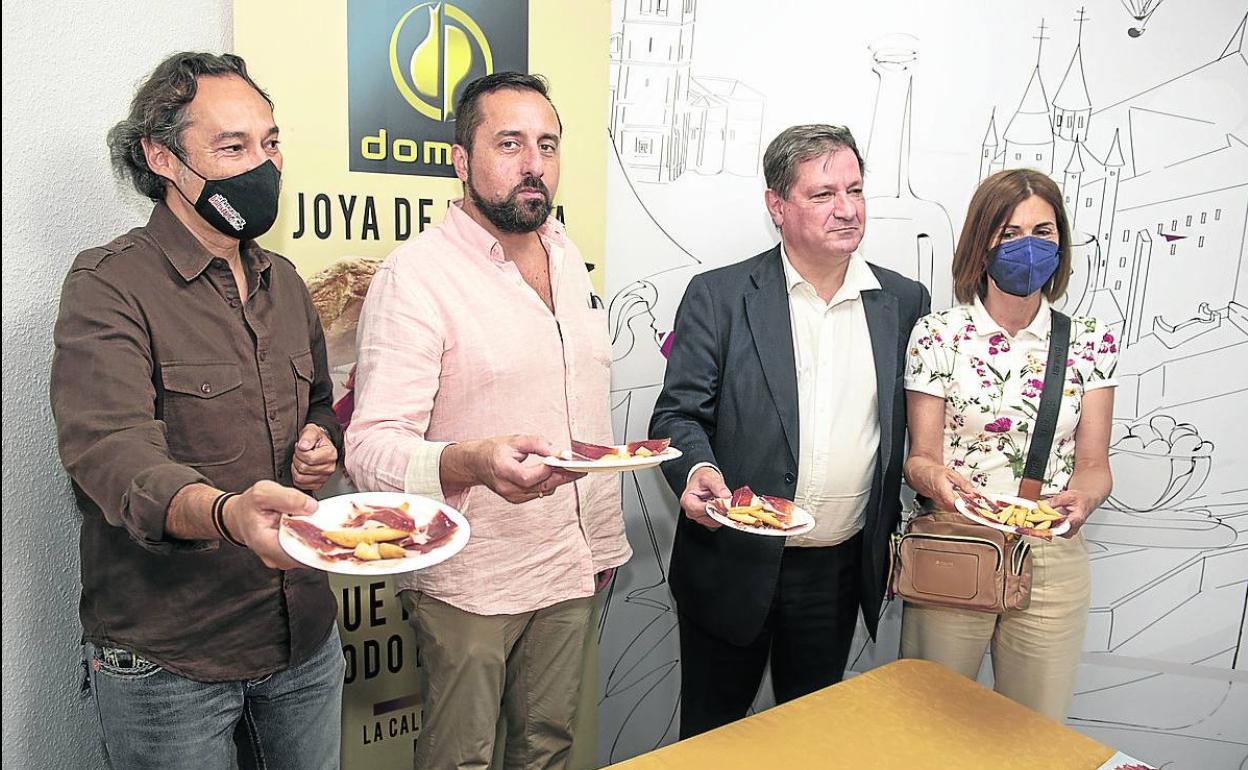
943 559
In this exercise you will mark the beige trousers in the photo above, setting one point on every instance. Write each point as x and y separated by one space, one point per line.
1035 652
527 666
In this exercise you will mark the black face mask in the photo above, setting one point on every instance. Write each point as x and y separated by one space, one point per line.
242 206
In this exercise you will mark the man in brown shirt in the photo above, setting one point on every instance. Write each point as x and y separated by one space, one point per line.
193 403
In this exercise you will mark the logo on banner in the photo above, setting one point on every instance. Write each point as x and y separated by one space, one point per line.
430 76
406 66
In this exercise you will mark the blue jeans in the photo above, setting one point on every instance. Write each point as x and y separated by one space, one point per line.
151 718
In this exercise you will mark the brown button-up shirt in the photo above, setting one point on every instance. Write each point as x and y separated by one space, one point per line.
163 376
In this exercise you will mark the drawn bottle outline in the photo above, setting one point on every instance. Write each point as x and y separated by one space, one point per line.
905 232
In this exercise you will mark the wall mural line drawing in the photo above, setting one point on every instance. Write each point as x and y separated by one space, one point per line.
1140 11
615 152
909 234
1147 136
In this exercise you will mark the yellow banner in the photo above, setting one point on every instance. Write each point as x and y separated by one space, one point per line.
297 51
364 93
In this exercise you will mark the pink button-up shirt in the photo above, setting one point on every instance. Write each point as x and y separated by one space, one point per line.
453 346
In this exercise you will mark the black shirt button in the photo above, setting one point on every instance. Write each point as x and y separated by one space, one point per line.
263 355
235 303
790 478
272 415
205 388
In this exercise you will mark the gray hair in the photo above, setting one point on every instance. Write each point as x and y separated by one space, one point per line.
796 145
158 114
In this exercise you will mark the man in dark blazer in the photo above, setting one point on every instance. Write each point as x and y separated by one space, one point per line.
785 375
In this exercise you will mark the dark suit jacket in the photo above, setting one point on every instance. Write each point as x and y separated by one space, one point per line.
730 398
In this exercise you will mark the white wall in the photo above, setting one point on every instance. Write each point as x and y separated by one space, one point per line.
1161 256
70 67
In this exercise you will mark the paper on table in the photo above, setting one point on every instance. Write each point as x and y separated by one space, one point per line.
1120 761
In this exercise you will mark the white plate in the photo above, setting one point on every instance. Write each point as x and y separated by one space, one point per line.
970 513
803 523
333 511
615 464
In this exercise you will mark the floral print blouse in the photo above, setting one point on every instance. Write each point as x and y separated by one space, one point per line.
991 384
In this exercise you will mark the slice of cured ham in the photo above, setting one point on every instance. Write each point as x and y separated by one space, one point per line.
654 446
395 518
591 451
582 450
422 539
780 504
742 497
976 500
436 532
311 535
774 512
783 509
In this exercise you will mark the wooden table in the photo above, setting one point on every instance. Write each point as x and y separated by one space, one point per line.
909 714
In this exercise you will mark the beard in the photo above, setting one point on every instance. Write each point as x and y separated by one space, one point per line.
510 214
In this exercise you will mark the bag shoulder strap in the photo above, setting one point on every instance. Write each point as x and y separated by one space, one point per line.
1050 405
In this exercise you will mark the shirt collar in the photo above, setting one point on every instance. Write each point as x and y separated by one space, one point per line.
188 256
858 277
480 241
985 325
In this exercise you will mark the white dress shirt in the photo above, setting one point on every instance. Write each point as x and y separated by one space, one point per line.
836 397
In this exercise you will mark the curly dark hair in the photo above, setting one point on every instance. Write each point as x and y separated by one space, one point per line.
158 113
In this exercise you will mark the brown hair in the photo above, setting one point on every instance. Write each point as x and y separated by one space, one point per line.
796 145
158 113
468 112
991 206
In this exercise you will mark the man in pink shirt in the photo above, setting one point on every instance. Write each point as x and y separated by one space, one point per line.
480 347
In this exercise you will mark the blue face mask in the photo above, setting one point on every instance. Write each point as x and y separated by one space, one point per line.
1024 265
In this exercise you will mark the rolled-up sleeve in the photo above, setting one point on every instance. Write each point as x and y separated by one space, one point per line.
400 343
104 404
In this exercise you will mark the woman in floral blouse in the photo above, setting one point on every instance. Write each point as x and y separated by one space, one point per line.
973 379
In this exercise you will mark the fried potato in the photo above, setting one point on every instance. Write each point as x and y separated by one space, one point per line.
768 518
1044 525
743 518
1016 516
350 538
390 551
1048 509
643 452
746 509
367 552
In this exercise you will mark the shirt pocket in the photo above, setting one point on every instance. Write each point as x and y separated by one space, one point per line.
201 404
598 336
304 371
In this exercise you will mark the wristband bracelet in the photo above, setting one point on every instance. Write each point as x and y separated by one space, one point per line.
218 518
